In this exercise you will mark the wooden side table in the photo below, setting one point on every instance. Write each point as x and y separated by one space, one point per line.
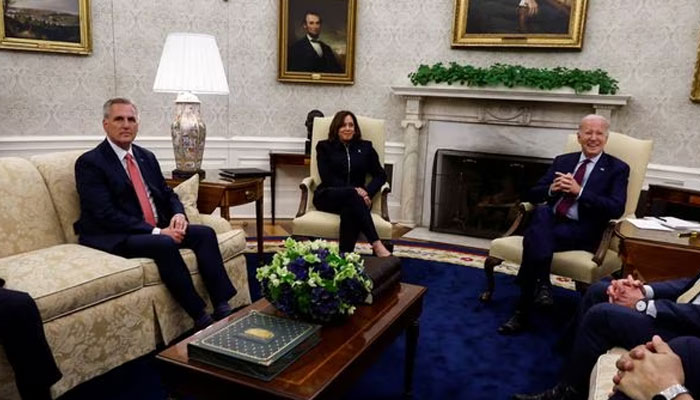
284 158
215 192
653 255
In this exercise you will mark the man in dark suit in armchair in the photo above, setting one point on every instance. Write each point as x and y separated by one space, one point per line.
126 208
309 54
582 191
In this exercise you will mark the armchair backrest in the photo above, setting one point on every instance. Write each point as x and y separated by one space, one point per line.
635 152
372 129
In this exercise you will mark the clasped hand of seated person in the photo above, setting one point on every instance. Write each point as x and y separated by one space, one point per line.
648 369
626 292
365 196
565 183
177 228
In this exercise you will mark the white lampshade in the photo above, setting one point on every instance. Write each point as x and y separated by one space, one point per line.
191 63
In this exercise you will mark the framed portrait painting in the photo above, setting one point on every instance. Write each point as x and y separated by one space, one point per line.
60 26
317 41
695 89
519 23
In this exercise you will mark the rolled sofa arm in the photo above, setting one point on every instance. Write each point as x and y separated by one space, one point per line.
217 223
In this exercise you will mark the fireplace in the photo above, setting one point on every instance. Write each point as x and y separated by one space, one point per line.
477 194
518 122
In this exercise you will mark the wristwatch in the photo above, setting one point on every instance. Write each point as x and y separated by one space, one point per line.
641 306
670 392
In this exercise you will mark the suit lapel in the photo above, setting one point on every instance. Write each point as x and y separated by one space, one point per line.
113 162
600 170
146 171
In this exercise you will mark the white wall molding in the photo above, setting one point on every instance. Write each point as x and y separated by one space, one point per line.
220 152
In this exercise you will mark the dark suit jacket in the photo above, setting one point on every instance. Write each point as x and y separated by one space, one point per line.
685 317
303 58
109 208
604 196
332 161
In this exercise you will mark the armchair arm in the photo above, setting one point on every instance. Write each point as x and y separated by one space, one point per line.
524 211
385 190
605 242
305 187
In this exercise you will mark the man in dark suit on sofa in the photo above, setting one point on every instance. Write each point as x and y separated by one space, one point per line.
582 191
22 336
626 313
310 54
126 208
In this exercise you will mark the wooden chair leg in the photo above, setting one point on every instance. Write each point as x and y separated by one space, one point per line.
489 265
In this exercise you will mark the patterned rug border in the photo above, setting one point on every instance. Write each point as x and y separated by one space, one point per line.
429 251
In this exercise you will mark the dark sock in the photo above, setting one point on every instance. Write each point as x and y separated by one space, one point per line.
203 321
222 310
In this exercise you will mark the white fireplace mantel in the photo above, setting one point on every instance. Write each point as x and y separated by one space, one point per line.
463 104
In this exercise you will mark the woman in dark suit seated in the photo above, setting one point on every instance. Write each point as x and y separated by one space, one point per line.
344 160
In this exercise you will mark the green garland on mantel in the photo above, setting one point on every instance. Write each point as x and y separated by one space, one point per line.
515 75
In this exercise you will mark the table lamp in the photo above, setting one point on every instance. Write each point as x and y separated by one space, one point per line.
190 64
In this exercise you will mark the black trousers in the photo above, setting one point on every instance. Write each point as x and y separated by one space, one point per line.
355 216
545 235
22 336
173 271
603 325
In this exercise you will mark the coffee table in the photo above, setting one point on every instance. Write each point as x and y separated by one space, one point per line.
325 372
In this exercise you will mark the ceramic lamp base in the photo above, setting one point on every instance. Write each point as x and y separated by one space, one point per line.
180 174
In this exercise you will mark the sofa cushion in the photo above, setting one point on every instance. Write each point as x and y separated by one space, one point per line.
58 171
187 191
28 220
601 384
65 278
231 244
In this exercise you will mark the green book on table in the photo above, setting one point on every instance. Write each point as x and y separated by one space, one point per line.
258 345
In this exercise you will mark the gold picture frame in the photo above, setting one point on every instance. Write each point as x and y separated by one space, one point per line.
519 23
695 89
61 26
330 25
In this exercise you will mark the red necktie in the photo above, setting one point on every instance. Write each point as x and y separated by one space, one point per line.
567 201
140 189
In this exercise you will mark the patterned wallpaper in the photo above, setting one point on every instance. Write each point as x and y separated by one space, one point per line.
649 45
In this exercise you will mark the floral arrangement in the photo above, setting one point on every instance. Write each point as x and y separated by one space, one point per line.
312 280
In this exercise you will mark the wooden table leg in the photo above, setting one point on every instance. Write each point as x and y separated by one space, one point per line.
259 227
411 345
225 213
273 171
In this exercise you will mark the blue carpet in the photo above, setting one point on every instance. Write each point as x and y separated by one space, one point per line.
460 355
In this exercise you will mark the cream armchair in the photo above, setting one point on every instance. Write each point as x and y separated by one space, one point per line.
310 222
581 266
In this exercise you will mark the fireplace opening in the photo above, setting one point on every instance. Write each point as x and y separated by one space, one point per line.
477 194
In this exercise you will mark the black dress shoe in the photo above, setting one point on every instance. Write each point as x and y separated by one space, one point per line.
516 324
544 297
560 392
